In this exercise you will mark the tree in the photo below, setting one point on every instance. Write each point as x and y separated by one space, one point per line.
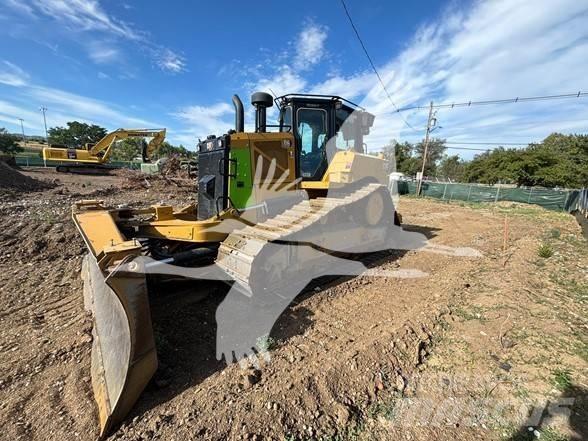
559 161
168 149
127 149
76 135
9 143
408 157
435 152
451 167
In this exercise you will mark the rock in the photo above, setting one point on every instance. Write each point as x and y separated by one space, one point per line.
342 414
400 383
252 377
379 385
505 366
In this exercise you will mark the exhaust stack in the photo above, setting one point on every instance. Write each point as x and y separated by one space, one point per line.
239 114
261 101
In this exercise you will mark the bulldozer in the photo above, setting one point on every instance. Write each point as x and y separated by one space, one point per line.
94 158
302 180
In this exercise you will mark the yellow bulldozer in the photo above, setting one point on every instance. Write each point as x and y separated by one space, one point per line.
300 181
94 158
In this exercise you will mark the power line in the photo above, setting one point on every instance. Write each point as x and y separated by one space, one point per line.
374 66
492 143
467 148
579 94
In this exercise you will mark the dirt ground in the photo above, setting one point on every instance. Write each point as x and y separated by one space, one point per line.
480 348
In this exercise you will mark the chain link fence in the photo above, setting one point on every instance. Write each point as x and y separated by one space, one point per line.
550 198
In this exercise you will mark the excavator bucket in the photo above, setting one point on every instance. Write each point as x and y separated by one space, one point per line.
123 351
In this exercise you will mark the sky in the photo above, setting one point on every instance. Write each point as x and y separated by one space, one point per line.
176 64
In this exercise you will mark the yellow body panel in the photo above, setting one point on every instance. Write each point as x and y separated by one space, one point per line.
100 227
75 155
347 167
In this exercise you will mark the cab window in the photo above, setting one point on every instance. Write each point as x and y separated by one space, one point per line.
286 120
311 131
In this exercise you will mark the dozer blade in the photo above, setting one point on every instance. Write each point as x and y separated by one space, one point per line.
123 351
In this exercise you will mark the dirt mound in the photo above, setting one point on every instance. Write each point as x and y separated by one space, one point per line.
12 179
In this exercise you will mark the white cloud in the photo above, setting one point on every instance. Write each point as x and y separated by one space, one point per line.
350 87
102 53
310 45
170 61
286 80
86 15
12 75
205 120
90 16
84 107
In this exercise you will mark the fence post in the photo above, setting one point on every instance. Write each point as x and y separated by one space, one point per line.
497 193
530 194
469 192
444 191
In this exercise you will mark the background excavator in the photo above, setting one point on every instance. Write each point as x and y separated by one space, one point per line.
94 158
308 180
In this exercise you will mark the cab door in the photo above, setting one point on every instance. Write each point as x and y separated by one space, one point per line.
311 129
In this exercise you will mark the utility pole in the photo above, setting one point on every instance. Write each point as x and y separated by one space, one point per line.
428 131
44 109
24 138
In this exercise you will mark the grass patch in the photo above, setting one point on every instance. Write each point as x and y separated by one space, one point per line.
562 379
266 343
545 251
551 434
474 313
555 233
385 409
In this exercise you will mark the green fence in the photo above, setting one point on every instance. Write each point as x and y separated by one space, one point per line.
37 161
549 198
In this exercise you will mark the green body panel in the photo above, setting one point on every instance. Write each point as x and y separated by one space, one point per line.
241 186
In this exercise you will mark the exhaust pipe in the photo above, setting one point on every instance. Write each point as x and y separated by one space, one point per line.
261 101
239 114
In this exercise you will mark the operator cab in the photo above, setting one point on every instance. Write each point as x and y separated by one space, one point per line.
316 119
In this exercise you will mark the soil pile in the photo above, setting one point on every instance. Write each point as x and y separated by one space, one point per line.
12 179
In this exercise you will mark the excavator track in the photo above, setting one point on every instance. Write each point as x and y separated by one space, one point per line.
332 225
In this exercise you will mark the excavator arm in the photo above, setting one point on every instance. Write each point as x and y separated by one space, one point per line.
103 148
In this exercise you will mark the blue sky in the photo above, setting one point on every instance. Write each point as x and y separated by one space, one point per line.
176 64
